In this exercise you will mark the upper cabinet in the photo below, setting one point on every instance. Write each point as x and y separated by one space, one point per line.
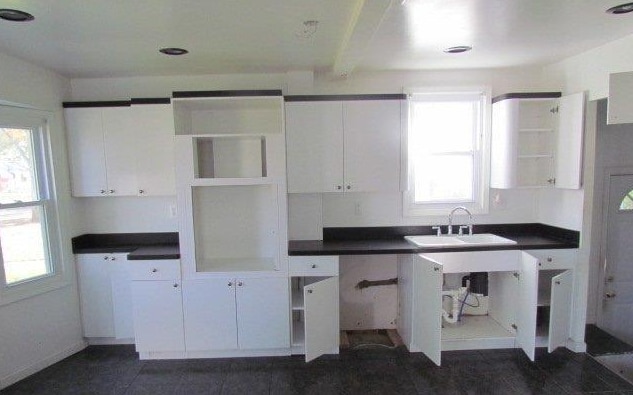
620 98
537 140
344 143
121 148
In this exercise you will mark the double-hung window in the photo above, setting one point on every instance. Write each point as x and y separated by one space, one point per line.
447 152
27 210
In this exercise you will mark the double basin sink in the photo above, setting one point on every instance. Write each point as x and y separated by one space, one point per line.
481 239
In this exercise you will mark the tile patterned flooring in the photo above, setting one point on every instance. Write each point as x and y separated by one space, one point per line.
117 370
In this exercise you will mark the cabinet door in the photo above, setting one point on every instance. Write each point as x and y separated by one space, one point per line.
120 150
560 310
210 315
86 151
569 141
314 144
95 295
527 302
263 313
154 134
427 316
321 318
504 145
121 284
158 321
372 145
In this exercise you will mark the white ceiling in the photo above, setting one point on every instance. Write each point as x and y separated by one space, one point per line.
104 38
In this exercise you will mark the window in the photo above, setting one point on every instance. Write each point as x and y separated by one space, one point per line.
26 204
627 202
446 152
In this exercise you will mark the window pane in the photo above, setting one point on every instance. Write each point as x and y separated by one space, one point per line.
447 178
627 202
23 243
444 126
17 166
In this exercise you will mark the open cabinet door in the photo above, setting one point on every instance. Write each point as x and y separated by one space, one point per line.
427 305
560 310
321 318
526 309
569 141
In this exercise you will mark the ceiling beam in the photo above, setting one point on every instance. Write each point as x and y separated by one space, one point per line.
363 25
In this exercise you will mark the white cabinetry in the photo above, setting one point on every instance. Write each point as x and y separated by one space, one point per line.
620 98
315 305
105 294
344 145
121 150
513 295
236 314
157 306
537 140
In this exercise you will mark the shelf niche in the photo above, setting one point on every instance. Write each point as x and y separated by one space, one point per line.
230 157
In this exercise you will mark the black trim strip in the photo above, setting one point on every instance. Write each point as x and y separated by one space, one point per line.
527 95
151 100
229 93
86 104
384 96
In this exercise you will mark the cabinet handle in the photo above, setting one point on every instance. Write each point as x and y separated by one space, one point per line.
557 282
239 284
309 291
549 259
111 191
551 181
314 266
154 270
230 284
102 191
105 258
113 258
609 295
437 269
175 285
141 191
338 187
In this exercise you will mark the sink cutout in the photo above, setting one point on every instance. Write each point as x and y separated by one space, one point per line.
482 239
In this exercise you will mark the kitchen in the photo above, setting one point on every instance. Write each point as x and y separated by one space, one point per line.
570 209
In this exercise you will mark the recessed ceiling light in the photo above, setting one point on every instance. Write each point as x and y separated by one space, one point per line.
458 49
621 9
173 51
15 15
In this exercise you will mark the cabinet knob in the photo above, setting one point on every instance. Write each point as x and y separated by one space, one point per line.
314 266
609 295
551 181
154 270
141 191
230 284
175 285
549 259
105 258
113 258
111 191
338 187
349 187
103 191
239 283
437 269
309 291
557 282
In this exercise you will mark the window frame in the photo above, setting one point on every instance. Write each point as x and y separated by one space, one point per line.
40 124
481 154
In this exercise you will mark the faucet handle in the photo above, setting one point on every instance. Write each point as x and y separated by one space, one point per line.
462 227
438 228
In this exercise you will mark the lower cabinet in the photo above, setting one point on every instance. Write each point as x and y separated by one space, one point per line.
516 292
236 313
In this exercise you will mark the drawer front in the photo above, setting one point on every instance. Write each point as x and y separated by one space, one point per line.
164 269
555 259
306 266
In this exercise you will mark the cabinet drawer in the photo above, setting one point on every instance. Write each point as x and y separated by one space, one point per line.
313 265
167 269
555 259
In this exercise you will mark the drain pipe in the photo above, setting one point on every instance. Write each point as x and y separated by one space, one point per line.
455 294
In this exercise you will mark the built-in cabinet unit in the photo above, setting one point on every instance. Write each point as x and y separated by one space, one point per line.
620 98
315 305
114 146
344 143
105 294
157 306
537 140
232 313
516 287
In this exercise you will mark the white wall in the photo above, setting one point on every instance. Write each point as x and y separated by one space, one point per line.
38 331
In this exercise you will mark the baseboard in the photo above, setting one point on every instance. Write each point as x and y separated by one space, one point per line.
576 346
108 341
36 367
273 352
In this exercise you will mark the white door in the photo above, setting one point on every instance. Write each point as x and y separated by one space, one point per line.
372 145
314 138
616 310
86 151
158 321
427 305
560 310
121 284
263 313
120 150
95 295
321 318
210 315
154 134
527 303
569 141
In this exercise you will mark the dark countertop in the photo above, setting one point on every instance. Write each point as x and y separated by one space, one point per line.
390 240
139 246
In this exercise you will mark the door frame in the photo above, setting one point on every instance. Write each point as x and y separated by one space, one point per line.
602 254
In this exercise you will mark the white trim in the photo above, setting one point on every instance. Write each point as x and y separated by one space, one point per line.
273 352
42 364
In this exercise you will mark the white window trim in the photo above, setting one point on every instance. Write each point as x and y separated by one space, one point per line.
60 275
482 172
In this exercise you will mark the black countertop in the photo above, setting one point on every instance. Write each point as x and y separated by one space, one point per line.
390 240
139 246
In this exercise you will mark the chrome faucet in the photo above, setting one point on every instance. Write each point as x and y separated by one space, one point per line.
450 220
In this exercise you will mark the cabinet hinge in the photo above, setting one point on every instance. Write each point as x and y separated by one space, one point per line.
554 110
516 275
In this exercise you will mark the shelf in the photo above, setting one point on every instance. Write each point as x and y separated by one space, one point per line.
297 300
298 333
475 327
212 182
537 156
246 264
535 130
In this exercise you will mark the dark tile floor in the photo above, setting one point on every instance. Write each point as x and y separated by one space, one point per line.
117 370
600 342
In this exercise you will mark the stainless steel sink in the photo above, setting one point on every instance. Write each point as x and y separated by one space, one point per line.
481 239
